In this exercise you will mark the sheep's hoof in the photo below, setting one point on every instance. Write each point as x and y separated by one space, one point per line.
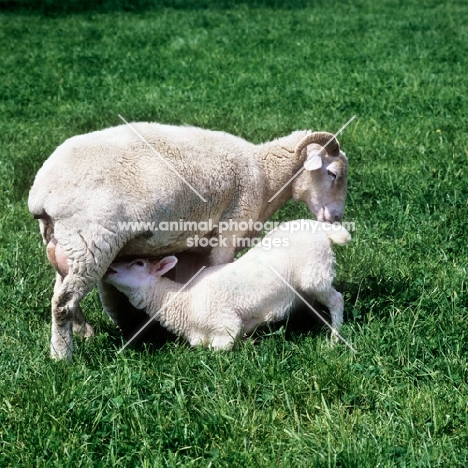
60 355
84 330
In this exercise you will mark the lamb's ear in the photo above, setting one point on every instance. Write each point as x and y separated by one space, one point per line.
314 160
163 266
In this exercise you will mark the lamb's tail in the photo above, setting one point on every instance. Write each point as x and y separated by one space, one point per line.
339 235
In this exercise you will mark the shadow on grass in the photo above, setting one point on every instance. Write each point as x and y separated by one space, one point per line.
60 8
142 333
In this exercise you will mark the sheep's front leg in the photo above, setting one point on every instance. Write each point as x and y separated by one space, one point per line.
118 308
133 322
228 242
223 252
68 293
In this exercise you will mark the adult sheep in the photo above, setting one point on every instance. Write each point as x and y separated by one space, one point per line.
95 183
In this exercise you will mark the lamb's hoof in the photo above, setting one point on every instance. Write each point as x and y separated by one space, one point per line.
334 338
84 330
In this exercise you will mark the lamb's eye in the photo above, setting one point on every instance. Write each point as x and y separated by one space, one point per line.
331 174
139 263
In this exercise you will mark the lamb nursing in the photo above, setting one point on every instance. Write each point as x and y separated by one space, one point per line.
227 301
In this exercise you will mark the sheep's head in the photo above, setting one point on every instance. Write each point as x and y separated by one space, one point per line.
323 182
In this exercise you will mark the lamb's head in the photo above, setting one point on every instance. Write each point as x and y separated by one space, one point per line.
323 182
132 278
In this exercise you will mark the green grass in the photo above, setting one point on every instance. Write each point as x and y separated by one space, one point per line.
285 399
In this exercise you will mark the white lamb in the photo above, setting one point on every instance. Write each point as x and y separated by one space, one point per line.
226 301
95 183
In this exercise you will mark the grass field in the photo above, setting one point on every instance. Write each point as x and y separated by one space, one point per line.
284 399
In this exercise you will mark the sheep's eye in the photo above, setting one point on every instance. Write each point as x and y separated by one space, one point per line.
331 174
139 263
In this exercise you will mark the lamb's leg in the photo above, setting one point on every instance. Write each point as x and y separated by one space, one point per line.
80 326
333 300
223 337
222 342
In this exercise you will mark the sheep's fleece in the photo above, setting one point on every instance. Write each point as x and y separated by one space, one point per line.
228 300
93 182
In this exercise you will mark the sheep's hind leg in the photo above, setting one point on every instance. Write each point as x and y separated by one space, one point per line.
65 306
80 326
89 254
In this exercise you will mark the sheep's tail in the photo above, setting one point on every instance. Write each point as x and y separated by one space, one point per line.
339 235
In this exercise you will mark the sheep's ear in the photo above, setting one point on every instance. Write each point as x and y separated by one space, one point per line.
163 266
313 162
